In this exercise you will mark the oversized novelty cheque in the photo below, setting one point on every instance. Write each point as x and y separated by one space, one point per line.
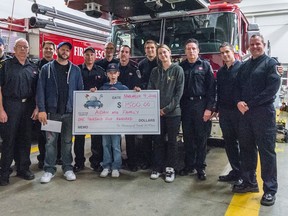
116 112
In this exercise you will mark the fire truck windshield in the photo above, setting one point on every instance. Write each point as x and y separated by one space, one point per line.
209 29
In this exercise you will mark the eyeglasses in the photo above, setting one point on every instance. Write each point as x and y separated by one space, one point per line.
110 48
22 47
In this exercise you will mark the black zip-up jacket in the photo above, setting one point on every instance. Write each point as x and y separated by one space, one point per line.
226 78
257 81
130 75
199 81
94 78
145 67
171 85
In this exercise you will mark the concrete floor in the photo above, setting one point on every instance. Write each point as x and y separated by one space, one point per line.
135 194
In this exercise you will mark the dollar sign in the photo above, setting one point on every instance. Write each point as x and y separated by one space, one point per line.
119 105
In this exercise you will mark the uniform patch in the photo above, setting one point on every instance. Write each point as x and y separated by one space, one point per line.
279 70
200 68
138 74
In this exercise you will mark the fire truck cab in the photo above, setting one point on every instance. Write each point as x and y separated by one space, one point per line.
172 22
217 23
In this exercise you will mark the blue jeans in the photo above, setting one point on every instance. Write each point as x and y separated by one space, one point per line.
66 144
111 152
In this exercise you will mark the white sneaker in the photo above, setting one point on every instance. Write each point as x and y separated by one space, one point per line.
115 173
169 175
70 176
104 173
47 176
154 175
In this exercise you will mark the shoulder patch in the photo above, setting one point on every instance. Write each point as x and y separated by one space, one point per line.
138 73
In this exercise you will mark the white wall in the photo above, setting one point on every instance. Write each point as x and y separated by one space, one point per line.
272 18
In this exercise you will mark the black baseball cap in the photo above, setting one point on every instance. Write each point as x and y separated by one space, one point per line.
89 48
113 67
64 43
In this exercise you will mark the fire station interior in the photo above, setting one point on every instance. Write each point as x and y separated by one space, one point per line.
134 193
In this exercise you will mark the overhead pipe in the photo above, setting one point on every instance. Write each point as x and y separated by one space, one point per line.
35 22
52 12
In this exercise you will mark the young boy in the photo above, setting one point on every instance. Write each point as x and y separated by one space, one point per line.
111 143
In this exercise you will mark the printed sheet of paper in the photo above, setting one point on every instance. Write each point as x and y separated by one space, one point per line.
54 126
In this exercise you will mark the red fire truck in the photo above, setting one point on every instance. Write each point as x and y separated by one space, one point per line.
172 22
37 30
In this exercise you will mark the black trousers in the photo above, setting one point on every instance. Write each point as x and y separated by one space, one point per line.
146 150
96 149
16 134
132 150
195 133
165 146
229 123
257 132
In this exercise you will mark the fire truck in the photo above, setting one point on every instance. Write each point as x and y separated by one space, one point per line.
172 22
36 30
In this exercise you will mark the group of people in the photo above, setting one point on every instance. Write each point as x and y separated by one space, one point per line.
243 98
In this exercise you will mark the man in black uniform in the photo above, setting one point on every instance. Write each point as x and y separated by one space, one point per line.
145 66
197 103
93 78
256 87
131 77
109 56
18 79
228 113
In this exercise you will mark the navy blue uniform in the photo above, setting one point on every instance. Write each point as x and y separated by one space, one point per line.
257 84
229 114
198 95
130 76
91 78
145 67
18 86
104 63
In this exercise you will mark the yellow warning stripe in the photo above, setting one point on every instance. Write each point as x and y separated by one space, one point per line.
248 203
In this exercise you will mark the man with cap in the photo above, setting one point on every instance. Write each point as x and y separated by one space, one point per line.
93 78
18 77
57 81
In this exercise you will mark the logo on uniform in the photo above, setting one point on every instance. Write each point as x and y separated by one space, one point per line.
200 68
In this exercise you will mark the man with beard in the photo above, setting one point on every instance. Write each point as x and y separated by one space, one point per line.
57 81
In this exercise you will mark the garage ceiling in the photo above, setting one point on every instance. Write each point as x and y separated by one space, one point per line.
129 8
